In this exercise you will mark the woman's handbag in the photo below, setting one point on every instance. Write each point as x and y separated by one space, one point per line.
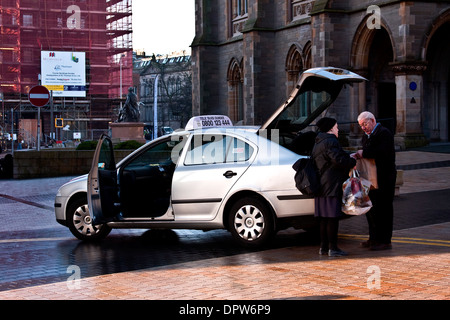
368 170
355 198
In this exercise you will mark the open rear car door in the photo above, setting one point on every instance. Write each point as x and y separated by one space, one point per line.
315 91
102 183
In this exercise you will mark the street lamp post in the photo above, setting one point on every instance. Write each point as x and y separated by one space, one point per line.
155 108
12 132
3 108
120 95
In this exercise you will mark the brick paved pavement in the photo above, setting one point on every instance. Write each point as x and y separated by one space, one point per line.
416 268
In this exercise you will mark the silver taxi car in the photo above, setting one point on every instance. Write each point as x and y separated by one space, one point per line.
212 175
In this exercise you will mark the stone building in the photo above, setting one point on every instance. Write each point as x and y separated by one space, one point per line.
172 74
248 54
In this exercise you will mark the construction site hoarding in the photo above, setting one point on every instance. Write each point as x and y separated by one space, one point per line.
64 73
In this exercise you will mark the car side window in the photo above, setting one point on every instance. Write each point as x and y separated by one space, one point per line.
160 154
239 151
217 148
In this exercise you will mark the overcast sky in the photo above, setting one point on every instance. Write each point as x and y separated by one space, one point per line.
163 26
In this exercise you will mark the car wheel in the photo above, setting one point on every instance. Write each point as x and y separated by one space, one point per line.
251 222
80 223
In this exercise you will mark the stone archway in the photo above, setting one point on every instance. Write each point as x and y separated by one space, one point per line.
436 50
307 58
381 93
294 66
371 55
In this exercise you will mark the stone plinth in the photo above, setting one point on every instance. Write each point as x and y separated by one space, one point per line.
124 131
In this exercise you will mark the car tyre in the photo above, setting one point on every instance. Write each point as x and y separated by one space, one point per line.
80 223
251 222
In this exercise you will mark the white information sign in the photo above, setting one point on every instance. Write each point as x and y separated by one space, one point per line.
64 73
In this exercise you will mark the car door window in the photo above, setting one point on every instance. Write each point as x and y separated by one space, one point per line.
157 155
106 158
218 148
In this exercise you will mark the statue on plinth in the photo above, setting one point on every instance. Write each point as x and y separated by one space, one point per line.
130 111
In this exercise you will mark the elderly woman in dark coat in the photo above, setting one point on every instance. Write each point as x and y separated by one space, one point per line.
333 165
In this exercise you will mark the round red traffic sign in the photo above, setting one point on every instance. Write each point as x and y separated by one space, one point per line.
39 96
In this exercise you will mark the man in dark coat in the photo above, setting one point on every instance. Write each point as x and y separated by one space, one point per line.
378 144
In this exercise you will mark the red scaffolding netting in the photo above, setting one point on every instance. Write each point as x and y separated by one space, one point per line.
100 28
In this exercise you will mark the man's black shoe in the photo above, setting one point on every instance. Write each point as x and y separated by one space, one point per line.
381 246
366 244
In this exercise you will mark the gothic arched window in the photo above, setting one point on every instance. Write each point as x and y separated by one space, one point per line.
235 91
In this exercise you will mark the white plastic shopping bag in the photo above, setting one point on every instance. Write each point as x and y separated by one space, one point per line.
355 198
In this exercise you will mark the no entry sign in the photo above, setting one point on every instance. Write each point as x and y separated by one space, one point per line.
39 96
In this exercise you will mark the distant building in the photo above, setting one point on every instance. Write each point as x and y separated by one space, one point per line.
100 29
247 55
174 90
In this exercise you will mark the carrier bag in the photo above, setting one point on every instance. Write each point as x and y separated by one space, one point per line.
355 198
367 169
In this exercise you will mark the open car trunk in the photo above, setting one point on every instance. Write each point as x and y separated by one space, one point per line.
315 91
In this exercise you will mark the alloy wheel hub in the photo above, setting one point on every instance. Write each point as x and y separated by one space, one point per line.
249 222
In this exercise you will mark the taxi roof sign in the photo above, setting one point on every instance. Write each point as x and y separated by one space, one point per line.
209 121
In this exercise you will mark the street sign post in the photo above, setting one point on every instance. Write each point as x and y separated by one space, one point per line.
39 96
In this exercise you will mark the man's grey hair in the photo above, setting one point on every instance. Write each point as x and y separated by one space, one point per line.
366 115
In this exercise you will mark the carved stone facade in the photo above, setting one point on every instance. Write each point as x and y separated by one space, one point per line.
248 54
169 78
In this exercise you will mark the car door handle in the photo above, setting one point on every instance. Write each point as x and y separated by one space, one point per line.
229 174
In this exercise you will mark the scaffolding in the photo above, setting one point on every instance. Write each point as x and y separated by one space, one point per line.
100 28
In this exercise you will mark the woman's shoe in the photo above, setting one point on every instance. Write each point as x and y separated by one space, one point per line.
323 252
336 253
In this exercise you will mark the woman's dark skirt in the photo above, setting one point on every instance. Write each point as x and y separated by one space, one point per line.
327 207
